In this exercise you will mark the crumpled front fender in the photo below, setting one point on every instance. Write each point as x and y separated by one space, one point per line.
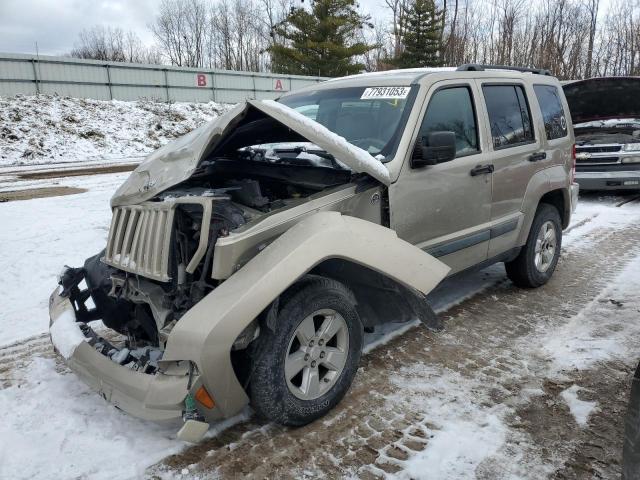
205 334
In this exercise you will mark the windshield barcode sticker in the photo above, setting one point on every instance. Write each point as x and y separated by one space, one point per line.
385 92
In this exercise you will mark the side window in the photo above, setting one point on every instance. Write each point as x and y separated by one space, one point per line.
508 115
555 123
451 110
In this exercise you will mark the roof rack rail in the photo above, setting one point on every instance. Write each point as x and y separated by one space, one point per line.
478 67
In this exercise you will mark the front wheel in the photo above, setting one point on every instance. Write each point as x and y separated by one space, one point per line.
305 365
537 260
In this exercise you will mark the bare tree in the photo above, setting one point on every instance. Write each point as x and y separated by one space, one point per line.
112 44
398 10
572 38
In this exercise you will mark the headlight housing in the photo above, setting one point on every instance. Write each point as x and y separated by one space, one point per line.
631 147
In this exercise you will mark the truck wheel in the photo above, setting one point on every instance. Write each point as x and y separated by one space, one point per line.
537 260
306 363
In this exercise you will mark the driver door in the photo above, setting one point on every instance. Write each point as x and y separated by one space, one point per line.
445 209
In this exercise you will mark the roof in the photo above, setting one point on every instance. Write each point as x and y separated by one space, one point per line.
408 76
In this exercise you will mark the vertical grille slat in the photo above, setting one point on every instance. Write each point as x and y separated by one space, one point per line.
157 260
124 215
140 256
128 237
114 223
136 239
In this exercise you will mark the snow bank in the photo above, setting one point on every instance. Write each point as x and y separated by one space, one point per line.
580 409
49 128
65 334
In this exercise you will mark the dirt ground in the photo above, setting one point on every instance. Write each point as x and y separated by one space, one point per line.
19 183
369 436
29 193
75 172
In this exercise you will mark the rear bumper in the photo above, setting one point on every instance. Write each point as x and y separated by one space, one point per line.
615 180
147 396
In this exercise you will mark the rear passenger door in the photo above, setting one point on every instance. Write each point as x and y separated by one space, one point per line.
517 154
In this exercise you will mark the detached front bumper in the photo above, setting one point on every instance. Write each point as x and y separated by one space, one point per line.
613 180
155 396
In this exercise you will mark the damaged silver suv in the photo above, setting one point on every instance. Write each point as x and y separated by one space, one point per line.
246 259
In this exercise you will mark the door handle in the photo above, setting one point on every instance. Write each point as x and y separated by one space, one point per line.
480 169
534 157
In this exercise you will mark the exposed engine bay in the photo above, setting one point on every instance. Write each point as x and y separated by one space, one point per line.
608 132
242 185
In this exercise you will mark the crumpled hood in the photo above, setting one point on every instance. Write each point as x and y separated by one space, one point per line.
176 161
603 98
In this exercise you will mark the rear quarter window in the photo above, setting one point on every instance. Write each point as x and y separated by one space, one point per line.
555 122
509 115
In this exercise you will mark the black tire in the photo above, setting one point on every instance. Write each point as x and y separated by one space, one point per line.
522 271
270 395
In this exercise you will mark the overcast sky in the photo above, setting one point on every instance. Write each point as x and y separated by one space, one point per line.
55 24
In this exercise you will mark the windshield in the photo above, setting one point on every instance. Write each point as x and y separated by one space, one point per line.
371 118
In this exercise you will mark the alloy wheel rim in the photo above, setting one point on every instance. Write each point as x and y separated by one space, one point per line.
546 245
317 354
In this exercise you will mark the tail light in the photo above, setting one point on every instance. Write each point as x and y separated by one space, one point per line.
573 163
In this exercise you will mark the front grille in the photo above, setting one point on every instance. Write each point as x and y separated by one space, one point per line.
598 148
596 160
139 239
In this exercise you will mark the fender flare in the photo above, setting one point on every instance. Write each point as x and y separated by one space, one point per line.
205 334
547 180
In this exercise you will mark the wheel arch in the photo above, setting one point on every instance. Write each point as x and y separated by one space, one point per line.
546 186
559 198
379 298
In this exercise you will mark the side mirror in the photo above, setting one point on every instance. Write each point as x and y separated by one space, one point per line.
434 148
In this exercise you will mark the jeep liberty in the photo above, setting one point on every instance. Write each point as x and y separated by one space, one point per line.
245 260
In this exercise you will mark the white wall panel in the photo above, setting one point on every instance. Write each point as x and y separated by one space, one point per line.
92 79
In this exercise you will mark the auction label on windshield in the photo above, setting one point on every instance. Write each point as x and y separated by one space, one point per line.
385 92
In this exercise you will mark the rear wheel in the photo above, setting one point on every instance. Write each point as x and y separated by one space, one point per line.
305 365
537 260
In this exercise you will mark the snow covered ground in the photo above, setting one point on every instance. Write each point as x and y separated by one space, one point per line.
38 237
50 421
49 128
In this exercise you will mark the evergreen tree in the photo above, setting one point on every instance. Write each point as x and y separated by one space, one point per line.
422 36
322 41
